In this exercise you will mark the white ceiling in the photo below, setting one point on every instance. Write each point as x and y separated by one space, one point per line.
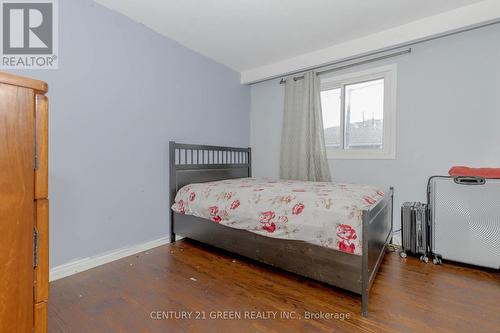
248 34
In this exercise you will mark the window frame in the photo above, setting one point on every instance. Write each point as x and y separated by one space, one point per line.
336 81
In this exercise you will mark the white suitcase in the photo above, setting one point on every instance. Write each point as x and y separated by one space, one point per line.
465 219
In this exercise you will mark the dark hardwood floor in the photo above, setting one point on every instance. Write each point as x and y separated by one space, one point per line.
407 296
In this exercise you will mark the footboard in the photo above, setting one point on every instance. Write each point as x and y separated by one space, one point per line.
377 233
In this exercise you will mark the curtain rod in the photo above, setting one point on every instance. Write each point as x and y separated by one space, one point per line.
328 69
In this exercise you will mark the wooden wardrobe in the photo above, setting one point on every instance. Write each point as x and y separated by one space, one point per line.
24 205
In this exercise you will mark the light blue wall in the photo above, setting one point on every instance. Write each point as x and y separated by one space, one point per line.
121 93
448 113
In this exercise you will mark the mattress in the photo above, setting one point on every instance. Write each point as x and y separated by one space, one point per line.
320 213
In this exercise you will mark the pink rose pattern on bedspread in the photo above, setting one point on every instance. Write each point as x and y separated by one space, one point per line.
325 214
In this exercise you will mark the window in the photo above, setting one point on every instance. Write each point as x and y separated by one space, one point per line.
359 114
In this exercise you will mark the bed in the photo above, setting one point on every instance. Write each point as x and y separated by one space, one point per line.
332 232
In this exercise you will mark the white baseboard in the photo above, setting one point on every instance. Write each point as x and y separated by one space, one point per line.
84 264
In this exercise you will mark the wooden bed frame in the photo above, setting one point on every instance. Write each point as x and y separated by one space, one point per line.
201 163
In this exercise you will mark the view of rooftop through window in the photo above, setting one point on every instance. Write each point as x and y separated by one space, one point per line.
362 115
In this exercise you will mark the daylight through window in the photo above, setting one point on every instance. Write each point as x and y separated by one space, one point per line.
358 115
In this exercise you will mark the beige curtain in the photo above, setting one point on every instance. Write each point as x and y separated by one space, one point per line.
303 151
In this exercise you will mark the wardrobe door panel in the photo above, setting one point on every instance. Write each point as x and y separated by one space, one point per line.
17 134
42 269
41 318
42 148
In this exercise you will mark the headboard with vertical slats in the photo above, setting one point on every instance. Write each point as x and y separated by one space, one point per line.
200 163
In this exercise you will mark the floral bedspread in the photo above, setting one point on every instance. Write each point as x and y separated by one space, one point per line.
325 214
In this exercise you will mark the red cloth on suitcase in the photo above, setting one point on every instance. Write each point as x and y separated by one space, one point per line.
474 172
